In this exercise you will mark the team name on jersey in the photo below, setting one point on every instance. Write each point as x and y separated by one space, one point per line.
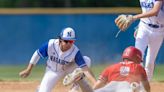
124 70
147 5
57 60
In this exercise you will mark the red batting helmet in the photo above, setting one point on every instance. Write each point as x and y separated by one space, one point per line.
133 54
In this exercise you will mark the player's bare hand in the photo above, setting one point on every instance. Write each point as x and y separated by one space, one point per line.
25 73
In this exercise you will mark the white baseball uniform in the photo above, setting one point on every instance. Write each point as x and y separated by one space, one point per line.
150 34
58 64
115 86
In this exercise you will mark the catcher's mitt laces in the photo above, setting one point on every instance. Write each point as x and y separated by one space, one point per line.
117 33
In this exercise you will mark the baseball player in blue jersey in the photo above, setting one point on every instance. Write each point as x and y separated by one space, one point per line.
150 32
63 57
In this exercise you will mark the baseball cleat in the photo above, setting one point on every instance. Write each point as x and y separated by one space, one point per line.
72 77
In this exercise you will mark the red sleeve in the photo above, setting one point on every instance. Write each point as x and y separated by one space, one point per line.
104 75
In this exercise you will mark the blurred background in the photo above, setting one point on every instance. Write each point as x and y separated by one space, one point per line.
26 24
67 3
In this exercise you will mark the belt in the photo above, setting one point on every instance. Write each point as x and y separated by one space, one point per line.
153 25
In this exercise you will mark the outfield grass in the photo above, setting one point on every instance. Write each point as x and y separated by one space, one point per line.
11 73
159 73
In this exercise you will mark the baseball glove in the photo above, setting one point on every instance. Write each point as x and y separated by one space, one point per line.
76 75
124 21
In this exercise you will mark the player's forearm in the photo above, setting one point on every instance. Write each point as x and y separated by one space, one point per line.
25 73
98 84
35 58
146 85
29 67
147 88
155 10
145 15
90 75
92 78
85 87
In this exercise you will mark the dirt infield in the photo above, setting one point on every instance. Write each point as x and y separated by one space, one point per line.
31 87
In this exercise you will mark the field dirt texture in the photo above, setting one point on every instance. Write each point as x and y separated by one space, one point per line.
31 86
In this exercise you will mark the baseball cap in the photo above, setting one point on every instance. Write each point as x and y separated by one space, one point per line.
67 34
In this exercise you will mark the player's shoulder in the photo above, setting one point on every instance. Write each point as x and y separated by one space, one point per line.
133 64
137 66
140 66
111 66
51 41
75 47
54 40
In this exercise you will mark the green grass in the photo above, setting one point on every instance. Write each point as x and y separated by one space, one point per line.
159 73
11 73
97 69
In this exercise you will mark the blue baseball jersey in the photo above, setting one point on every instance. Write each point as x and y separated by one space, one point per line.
146 6
57 58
